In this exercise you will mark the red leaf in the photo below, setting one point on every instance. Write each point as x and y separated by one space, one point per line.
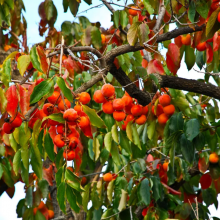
150 158
173 58
189 198
48 175
43 58
72 66
10 192
203 166
178 41
24 99
78 158
12 97
216 41
217 185
87 131
209 53
155 66
205 181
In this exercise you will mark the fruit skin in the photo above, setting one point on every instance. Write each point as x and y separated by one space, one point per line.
61 105
15 123
103 38
108 107
84 122
50 214
108 90
129 118
118 104
107 177
159 110
162 119
169 110
186 40
84 98
141 120
165 166
145 110
213 158
74 141
53 99
119 116
39 81
132 11
69 155
48 108
78 108
201 46
127 100
70 115
8 128
98 97
136 110
41 205
35 210
218 18
164 100
58 141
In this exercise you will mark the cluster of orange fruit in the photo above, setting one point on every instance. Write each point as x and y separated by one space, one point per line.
49 214
12 123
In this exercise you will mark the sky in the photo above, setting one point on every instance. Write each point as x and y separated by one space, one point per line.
7 205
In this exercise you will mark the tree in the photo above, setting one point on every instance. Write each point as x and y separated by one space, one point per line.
108 101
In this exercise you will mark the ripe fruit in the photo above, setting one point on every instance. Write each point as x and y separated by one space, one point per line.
8 128
84 98
39 81
41 205
169 110
141 120
162 119
136 110
186 40
50 214
61 104
119 116
74 141
83 181
145 110
78 108
35 210
70 115
127 100
164 100
129 118
107 177
58 141
108 90
108 107
213 158
99 97
165 166
84 122
118 104
53 99
69 155
201 46
48 108
103 38
70 168
132 11
52 122
15 123
159 110
218 17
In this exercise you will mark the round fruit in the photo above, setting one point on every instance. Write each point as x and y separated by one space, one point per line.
129 118
107 177
41 205
159 110
213 158
39 81
119 116
50 214
70 115
69 155
58 141
98 97
48 108
84 122
118 104
124 125
108 107
84 98
74 141
61 104
165 166
145 110
103 38
164 100
136 110
70 168
55 98
52 122
7 128
15 123
169 110
186 40
162 119
108 90
141 120
201 46
78 108
60 129
127 100
133 12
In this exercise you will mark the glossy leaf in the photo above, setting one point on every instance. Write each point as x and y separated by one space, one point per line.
61 195
73 5
6 73
96 148
35 59
124 142
96 37
12 98
144 192
132 35
36 161
49 146
192 129
23 63
148 6
108 141
73 181
71 197
189 57
17 162
3 101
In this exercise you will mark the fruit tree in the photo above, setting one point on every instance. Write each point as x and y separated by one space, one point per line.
95 122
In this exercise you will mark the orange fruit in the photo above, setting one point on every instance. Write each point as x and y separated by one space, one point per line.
162 119
169 109
7 128
108 90
35 210
74 141
70 115
55 98
41 205
84 122
132 11
159 110
84 98
218 18
108 107
164 100
61 104
119 116
103 38
99 97
118 104
213 158
58 141
136 110
201 46
50 214
186 40
141 120
107 177
48 109
165 166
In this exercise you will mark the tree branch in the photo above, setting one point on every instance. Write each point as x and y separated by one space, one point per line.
160 17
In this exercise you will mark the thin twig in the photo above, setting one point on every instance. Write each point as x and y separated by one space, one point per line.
61 55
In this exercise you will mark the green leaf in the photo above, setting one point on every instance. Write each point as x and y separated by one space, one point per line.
209 196
74 6
16 162
29 196
115 133
41 90
211 140
73 181
110 189
148 6
24 135
71 197
84 22
36 161
1 170
94 118
61 195
6 73
191 129
136 136
65 5
96 148
36 132
67 28
124 142
116 17
129 131
192 11
144 192
96 37
122 203
7 176
120 183
157 188
40 141
25 174
25 157
49 146
115 154
200 59
55 117
123 19
60 176
23 63
151 129
39 216
44 188
50 11
35 59
108 141
202 8
65 90
143 32
13 143
189 57
85 196
3 102
212 24
132 35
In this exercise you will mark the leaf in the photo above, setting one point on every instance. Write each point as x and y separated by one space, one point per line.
23 63
116 18
25 157
96 146
44 188
157 188
115 133
155 66
129 131
71 197
41 90
192 11
3 101
74 6
24 135
108 141
192 128
55 117
212 24
65 5
13 143
12 97
110 189
94 118
132 35
122 203
29 196
7 176
136 136
16 162
96 37
151 129
66 91
189 57
50 11
35 59
66 28
202 8
49 146
61 195
124 142
24 99
85 196
115 154
143 32
209 53
123 19
36 161
143 192
148 6
6 73
73 181
42 59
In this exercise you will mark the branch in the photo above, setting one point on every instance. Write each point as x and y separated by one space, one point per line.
160 17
